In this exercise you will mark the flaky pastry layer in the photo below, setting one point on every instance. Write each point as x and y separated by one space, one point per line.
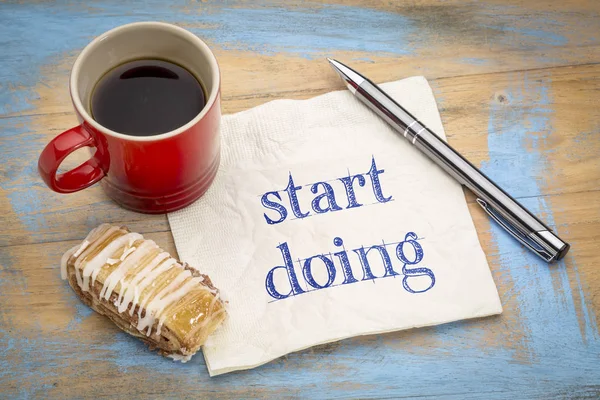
144 291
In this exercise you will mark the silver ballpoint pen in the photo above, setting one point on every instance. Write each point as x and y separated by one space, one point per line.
505 210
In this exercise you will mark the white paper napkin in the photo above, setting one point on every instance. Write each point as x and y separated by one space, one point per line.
369 237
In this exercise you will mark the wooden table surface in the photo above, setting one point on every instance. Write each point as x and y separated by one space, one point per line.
518 87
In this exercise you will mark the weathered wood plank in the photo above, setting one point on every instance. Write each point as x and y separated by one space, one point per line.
417 38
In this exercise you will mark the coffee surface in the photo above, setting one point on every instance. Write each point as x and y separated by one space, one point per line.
147 97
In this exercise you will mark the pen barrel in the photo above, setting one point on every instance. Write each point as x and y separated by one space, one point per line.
502 207
482 186
499 204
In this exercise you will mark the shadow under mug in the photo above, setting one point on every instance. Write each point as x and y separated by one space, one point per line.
150 174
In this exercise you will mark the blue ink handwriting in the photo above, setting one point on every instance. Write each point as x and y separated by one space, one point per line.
325 199
409 252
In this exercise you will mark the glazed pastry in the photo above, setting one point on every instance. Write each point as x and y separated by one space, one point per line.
144 291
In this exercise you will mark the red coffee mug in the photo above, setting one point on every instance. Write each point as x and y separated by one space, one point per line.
150 174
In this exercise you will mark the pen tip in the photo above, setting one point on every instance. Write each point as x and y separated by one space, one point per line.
352 78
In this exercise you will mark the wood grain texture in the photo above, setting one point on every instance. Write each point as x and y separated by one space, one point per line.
517 85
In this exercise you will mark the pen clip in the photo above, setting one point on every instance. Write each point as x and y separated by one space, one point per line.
515 232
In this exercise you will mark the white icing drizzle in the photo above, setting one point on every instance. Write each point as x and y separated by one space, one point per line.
128 295
64 260
149 280
135 280
118 273
93 266
102 237
179 357
76 251
172 298
209 317
81 248
127 252
158 302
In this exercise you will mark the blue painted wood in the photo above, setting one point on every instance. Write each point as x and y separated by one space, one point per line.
541 351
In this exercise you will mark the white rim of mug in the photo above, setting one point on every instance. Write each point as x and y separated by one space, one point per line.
189 36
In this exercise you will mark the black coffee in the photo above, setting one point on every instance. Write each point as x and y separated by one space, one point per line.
146 97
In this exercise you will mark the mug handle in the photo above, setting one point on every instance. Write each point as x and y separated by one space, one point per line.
57 150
